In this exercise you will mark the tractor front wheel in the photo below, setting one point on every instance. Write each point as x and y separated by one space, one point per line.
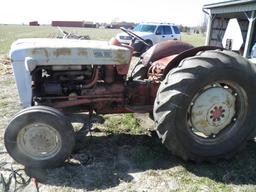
39 137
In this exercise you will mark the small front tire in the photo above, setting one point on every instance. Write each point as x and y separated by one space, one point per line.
39 138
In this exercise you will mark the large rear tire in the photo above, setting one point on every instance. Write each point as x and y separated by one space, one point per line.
205 107
39 137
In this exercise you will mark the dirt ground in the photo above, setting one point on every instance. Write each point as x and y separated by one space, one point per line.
121 161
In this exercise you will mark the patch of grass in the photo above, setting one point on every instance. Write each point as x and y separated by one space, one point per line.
153 173
9 82
122 123
3 103
194 39
189 181
10 33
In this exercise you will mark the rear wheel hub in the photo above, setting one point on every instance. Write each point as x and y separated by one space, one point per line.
212 110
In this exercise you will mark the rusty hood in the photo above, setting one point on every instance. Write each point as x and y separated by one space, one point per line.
45 51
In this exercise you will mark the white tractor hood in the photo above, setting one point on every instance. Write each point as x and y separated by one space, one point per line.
44 51
27 54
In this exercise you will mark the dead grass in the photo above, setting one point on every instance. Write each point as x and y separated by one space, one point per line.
5 65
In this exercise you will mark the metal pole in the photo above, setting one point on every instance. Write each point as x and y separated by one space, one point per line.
249 33
209 28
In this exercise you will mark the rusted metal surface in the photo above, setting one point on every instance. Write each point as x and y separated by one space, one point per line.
105 89
94 96
62 52
122 69
93 81
70 51
110 98
82 52
188 53
155 71
63 104
139 97
164 49
114 41
142 93
159 68
160 60
40 51
109 74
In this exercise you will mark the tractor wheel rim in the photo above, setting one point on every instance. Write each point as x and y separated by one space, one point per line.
39 141
215 109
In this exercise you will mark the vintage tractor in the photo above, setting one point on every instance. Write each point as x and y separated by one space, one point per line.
202 99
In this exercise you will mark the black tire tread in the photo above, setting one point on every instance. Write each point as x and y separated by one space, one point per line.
66 129
174 87
139 72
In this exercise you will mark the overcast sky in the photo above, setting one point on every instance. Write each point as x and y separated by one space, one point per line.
186 12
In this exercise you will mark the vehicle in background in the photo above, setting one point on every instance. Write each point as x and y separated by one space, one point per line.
152 33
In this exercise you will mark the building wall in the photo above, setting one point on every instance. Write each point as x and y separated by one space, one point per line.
33 23
68 23
219 26
117 25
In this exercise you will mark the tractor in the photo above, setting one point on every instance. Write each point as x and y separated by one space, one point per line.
202 99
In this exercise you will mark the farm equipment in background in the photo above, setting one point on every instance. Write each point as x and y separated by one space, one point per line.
202 99
67 35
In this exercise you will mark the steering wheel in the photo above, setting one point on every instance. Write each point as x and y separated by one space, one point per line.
130 33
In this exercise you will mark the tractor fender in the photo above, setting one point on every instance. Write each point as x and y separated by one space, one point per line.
187 53
164 49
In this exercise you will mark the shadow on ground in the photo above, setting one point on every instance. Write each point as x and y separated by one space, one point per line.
102 162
